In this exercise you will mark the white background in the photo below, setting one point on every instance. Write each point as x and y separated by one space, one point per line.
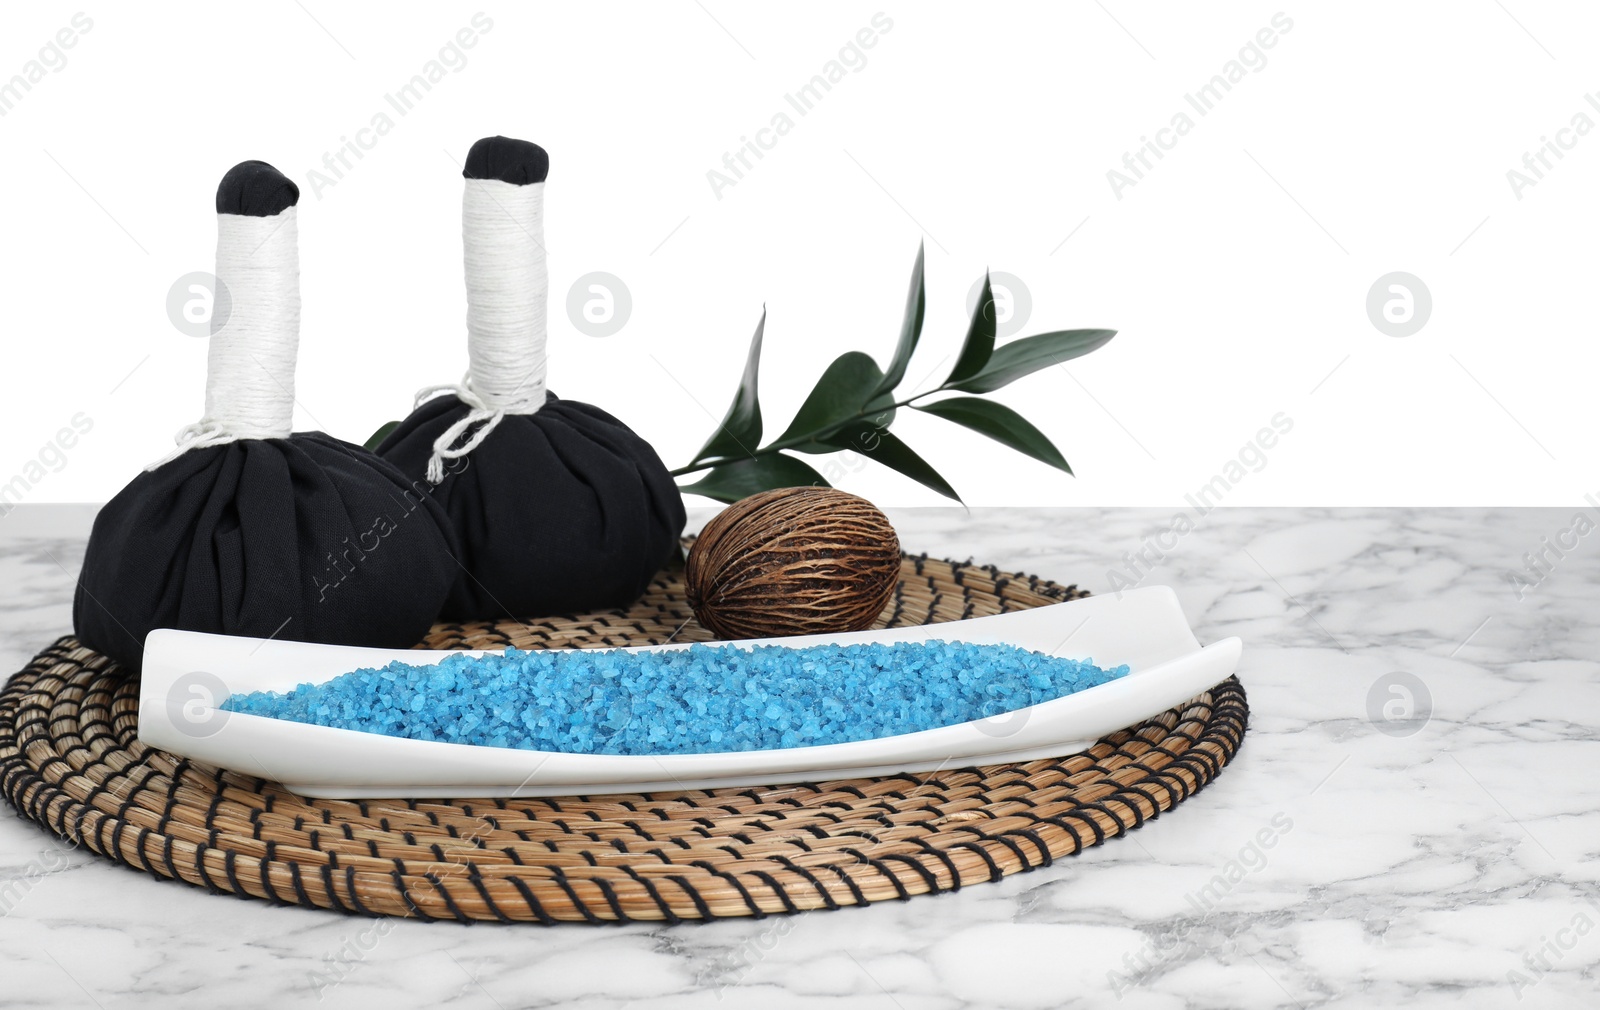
1376 138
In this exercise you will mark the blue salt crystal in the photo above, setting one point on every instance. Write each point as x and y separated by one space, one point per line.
688 701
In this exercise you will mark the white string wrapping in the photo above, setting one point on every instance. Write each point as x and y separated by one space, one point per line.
251 358
508 286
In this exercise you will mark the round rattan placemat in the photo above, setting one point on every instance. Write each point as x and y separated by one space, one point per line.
70 759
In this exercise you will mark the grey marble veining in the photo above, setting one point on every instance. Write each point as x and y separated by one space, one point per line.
1414 817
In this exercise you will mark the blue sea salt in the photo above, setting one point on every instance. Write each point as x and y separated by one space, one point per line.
688 701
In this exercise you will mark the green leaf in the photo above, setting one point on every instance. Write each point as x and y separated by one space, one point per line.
741 478
853 430
979 345
910 329
1024 357
740 430
843 391
1000 423
886 448
382 433
855 434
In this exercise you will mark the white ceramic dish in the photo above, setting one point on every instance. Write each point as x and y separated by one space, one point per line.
186 675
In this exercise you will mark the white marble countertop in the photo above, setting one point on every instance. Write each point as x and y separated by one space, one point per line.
1447 860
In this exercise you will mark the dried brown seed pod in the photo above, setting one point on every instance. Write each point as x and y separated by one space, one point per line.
793 561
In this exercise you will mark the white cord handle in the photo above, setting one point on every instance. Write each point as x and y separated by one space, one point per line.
251 358
508 286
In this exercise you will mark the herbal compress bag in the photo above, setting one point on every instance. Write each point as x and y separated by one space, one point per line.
249 528
559 506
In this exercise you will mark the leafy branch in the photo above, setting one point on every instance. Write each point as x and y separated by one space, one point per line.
854 403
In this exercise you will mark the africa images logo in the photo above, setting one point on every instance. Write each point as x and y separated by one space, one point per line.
1251 59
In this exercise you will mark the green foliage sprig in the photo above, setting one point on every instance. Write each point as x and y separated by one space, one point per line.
854 403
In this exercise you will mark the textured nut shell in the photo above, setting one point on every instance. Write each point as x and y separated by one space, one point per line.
793 561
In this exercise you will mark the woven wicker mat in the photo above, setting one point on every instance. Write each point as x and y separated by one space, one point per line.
70 760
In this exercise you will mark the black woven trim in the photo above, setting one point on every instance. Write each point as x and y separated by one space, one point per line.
899 608
583 908
756 911
810 878
1045 858
144 860
668 915
1176 791
921 871
610 895
449 902
332 890
777 888
1136 788
1094 825
694 896
405 896
1077 839
1213 763
532 901
943 857
230 860
1206 771
301 897
355 894
1101 805
1000 839
200 868
856 895
888 874
77 826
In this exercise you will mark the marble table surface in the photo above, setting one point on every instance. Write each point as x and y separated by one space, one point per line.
1414 817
